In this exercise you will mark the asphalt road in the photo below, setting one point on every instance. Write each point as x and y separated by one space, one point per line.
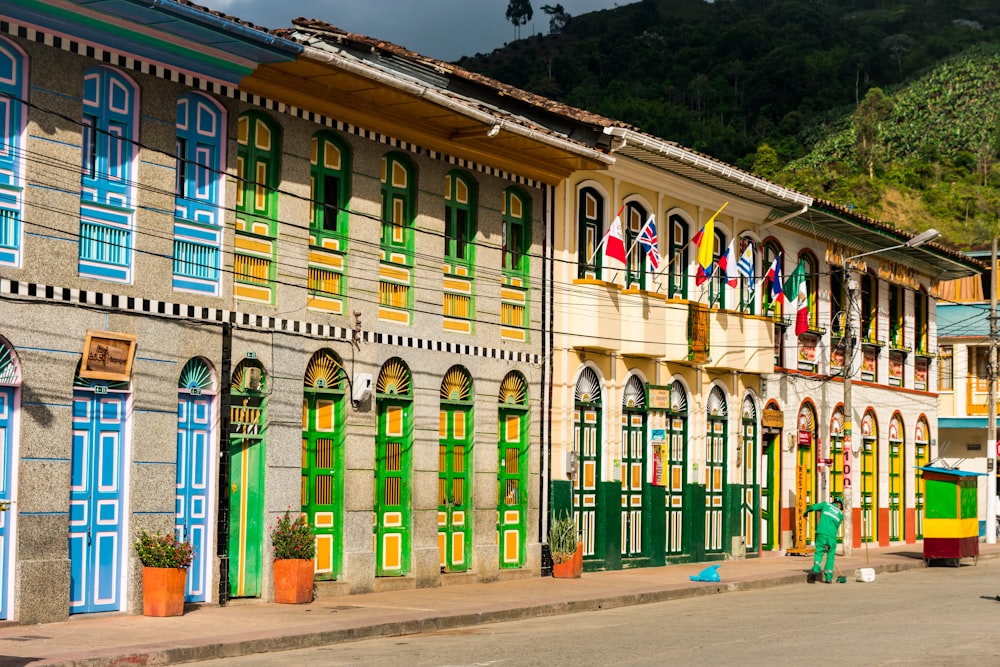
941 616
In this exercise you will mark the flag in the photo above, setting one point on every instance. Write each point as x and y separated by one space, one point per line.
774 275
745 266
650 243
614 244
705 241
796 288
727 264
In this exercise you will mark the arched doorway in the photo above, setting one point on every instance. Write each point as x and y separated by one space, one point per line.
196 390
512 471
673 459
747 462
805 462
770 479
869 477
393 468
455 512
10 410
247 441
324 424
633 466
921 457
897 480
587 449
97 502
716 462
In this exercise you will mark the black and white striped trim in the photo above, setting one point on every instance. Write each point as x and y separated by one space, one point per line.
138 305
215 87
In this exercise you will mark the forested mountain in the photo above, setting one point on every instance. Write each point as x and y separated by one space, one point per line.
888 105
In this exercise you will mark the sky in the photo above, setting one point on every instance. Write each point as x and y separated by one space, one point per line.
442 29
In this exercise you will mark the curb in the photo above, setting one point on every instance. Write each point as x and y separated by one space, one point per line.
159 655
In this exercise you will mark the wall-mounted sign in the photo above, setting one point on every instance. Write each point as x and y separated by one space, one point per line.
771 418
108 356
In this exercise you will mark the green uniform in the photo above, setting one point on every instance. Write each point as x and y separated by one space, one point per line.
830 518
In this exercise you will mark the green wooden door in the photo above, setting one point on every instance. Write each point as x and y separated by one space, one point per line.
869 478
897 488
750 471
454 499
921 457
323 425
770 465
512 471
392 488
715 472
246 476
633 474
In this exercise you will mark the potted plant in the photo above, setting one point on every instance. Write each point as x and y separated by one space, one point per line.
294 547
566 548
165 561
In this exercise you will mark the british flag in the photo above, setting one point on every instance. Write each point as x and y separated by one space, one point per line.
649 243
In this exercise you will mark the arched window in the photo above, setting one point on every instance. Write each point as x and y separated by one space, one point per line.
635 272
587 419
516 219
330 173
717 284
13 87
869 308
810 268
201 128
107 215
921 457
749 263
590 227
678 259
258 140
399 190
772 252
869 477
460 201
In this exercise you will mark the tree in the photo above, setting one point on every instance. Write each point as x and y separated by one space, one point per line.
765 162
868 119
519 12
558 18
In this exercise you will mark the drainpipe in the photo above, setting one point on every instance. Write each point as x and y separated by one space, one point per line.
222 512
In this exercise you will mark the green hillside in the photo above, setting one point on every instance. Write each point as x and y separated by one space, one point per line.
776 86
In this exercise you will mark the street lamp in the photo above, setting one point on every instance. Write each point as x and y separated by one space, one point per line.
850 349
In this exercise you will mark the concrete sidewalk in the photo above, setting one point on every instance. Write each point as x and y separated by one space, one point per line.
209 631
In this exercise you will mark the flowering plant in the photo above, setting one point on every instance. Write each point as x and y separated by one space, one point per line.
160 550
292 538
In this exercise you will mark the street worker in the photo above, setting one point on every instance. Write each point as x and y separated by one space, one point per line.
831 515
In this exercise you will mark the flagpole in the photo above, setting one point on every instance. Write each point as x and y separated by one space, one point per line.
637 236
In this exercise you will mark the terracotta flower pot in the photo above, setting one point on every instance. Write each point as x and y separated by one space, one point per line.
572 568
293 580
163 591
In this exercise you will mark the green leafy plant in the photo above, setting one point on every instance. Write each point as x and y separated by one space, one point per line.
163 550
563 537
292 538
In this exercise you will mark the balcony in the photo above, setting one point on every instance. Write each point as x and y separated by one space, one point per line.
642 323
593 315
728 345
758 340
675 330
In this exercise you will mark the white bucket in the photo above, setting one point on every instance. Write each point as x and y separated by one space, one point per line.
865 575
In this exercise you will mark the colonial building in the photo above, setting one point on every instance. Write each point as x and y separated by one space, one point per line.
693 421
245 271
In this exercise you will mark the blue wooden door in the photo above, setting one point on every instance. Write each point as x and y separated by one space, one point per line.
95 502
6 428
194 430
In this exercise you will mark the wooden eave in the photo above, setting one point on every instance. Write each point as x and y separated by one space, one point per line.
370 104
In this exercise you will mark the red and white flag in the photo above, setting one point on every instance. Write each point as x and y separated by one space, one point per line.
728 265
614 242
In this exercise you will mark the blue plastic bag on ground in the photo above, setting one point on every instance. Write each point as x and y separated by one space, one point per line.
710 573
